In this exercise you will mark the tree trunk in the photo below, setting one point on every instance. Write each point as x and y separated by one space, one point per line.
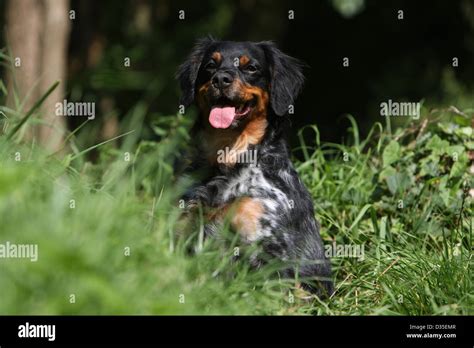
37 33
24 44
53 68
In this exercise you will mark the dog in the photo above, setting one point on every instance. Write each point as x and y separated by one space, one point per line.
244 92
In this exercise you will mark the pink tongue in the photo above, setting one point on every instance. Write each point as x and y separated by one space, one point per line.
221 117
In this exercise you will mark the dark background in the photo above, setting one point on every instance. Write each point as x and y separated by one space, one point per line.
404 60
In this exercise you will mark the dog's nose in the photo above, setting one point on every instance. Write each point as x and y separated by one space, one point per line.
222 79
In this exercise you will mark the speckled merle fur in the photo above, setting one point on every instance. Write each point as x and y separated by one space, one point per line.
287 229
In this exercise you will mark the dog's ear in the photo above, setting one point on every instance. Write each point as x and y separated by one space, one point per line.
286 78
188 71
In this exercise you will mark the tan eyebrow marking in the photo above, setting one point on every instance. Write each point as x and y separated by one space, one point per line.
217 56
244 60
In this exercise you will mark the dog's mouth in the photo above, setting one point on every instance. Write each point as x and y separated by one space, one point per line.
224 113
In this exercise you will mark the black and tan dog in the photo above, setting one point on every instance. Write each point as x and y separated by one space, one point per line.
244 91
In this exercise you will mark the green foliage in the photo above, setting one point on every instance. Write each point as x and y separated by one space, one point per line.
106 231
401 196
404 197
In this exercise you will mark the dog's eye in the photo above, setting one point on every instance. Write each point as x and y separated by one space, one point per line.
251 69
211 65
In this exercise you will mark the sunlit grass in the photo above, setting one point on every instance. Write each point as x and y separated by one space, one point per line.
107 243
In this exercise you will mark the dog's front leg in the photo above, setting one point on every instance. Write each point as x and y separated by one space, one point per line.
201 204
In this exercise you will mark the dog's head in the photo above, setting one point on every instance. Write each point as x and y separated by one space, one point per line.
234 82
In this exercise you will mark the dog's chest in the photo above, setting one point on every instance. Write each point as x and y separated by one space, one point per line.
251 202
252 182
248 181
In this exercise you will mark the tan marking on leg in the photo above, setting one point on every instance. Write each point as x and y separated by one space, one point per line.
245 217
217 214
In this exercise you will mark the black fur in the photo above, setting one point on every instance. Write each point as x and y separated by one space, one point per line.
286 78
188 71
287 229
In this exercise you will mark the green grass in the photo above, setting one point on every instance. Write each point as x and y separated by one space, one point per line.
401 195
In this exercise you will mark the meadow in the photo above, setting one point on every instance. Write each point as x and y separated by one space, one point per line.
105 228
